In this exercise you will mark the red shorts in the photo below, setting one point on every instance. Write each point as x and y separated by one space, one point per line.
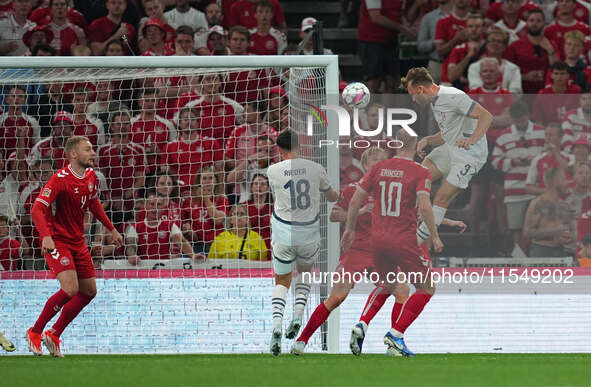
71 256
390 261
354 261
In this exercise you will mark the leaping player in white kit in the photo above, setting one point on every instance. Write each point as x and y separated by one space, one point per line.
296 185
461 147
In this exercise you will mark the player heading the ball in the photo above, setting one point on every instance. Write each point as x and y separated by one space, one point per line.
460 150
58 214
297 185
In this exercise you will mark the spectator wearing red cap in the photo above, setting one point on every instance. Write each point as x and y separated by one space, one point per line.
185 156
264 39
154 10
43 16
581 149
553 101
185 15
20 131
243 12
100 31
155 35
149 129
577 122
84 123
218 114
53 146
216 42
39 35
551 157
13 27
65 33
306 27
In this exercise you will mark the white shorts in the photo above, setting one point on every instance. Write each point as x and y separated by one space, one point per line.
285 256
456 164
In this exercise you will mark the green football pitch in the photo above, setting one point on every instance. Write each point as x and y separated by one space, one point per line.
310 370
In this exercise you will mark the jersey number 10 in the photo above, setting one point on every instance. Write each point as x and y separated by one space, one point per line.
387 198
299 193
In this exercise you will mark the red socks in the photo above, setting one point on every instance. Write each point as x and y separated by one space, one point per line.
318 318
70 311
396 312
52 306
411 310
377 298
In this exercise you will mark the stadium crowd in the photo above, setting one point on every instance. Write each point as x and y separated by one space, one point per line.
183 160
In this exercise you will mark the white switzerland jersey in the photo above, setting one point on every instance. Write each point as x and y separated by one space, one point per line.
451 108
296 186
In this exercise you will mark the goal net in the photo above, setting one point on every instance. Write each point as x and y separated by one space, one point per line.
182 148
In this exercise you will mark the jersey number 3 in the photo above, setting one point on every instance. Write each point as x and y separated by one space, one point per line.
388 197
299 193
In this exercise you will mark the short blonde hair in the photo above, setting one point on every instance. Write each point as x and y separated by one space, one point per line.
575 35
372 151
417 76
497 31
73 142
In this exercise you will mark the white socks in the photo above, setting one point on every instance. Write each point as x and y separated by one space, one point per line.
278 299
423 231
302 290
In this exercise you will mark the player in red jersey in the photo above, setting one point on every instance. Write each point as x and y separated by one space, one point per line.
356 260
73 191
402 186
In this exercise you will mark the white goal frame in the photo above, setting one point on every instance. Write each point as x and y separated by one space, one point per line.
328 62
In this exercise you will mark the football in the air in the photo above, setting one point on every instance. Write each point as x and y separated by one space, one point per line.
356 95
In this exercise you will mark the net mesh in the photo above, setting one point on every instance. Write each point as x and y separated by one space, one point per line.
178 151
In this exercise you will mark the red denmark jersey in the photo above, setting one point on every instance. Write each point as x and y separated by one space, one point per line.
242 14
91 128
273 43
552 107
103 28
245 86
65 36
363 227
447 27
395 184
496 102
575 124
580 13
217 118
153 242
555 32
43 16
195 212
260 221
455 56
72 195
243 143
495 11
167 106
352 174
172 212
371 32
10 253
186 158
9 125
48 148
121 164
584 221
523 53
158 131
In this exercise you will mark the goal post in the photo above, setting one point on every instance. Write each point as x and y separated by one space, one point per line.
306 80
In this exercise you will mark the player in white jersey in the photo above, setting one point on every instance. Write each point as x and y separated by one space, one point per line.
296 185
461 147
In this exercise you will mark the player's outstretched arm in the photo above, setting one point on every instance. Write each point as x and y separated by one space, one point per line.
461 226
434 141
426 212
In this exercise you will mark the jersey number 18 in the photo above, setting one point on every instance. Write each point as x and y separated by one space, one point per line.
299 193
